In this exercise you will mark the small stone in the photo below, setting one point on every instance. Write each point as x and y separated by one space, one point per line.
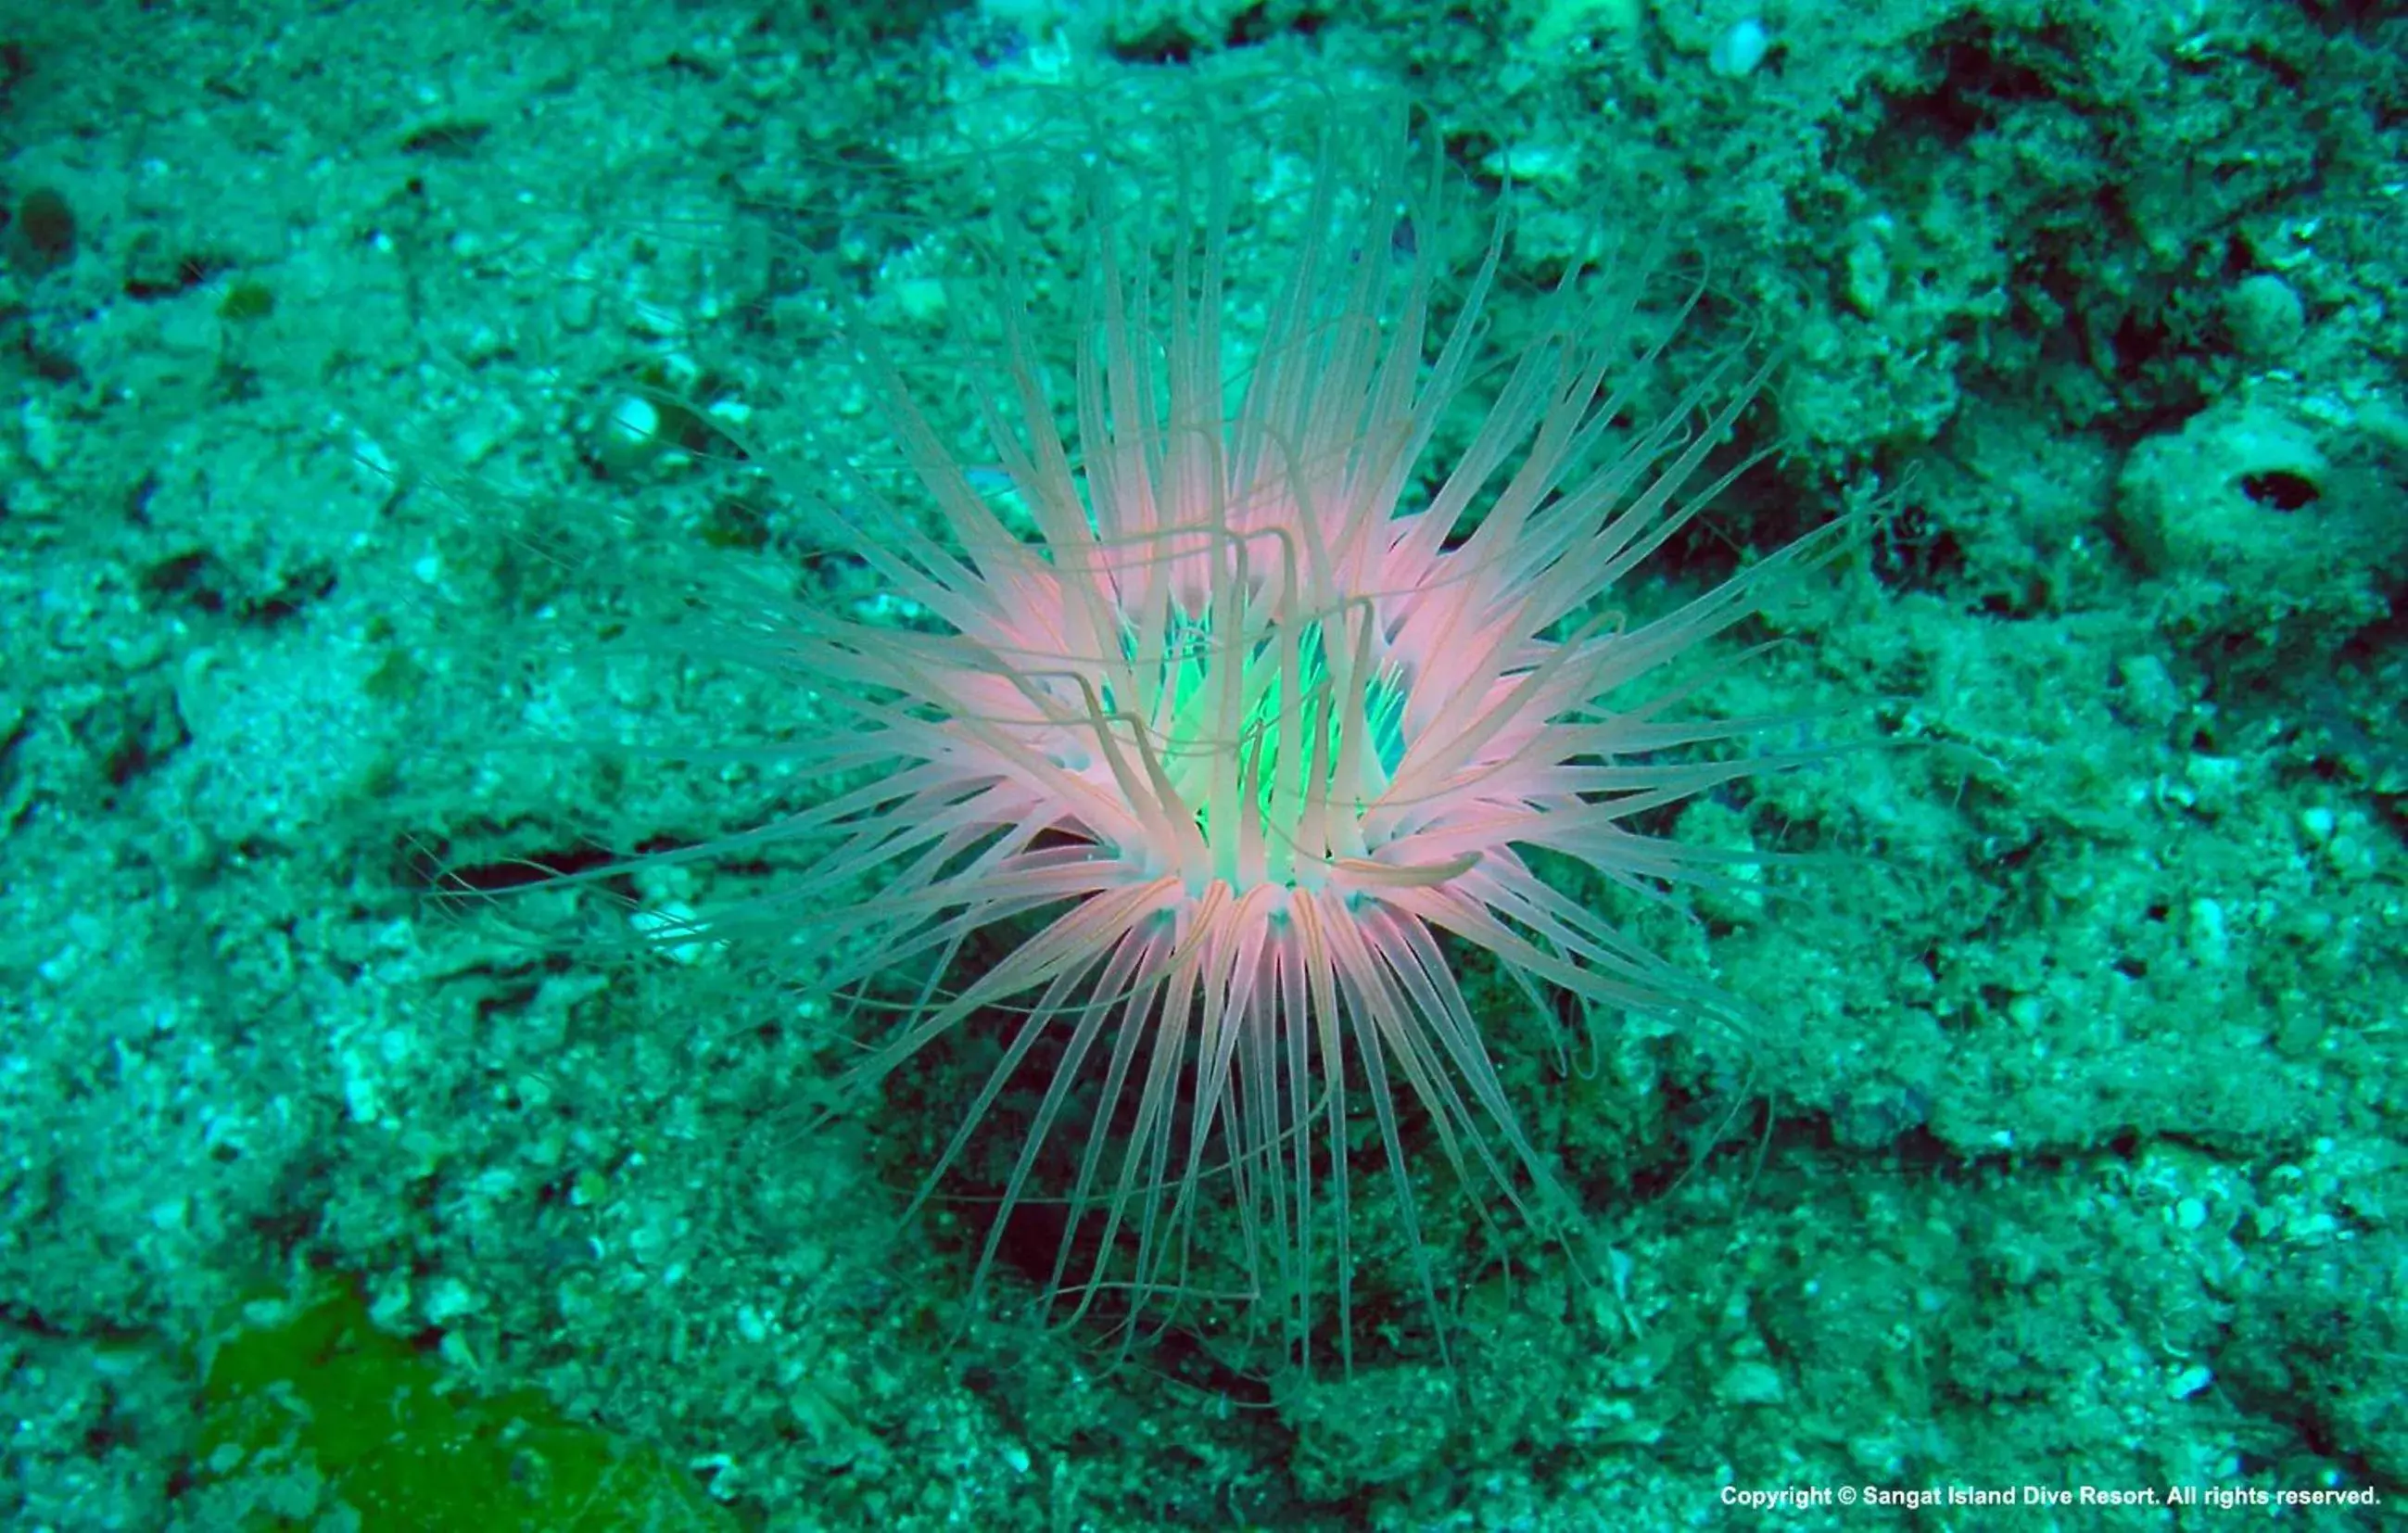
1737 52
1752 1384
2266 318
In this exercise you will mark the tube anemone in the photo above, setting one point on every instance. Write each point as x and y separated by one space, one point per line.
1233 719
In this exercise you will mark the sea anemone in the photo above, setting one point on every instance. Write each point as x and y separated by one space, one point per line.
1204 732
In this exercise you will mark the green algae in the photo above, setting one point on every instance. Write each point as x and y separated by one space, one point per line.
325 1401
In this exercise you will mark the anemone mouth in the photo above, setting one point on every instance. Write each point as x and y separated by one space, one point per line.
1298 706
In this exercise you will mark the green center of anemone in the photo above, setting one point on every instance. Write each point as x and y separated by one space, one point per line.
1323 714
1189 673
